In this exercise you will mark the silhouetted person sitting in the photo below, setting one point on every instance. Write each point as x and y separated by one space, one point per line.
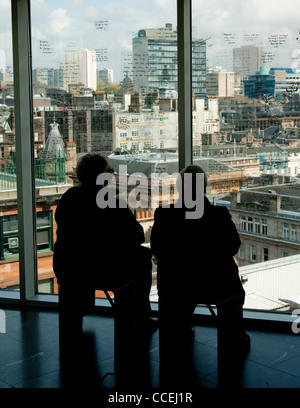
196 265
99 248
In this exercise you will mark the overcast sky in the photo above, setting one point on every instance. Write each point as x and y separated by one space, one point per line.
109 26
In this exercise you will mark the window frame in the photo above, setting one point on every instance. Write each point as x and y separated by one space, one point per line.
257 226
243 223
264 226
286 231
253 255
21 32
265 254
250 224
242 251
293 231
21 40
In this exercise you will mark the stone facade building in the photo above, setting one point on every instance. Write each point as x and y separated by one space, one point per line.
268 220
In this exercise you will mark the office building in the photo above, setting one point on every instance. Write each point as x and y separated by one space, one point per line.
44 75
80 67
273 159
268 220
155 61
105 75
247 60
219 83
260 85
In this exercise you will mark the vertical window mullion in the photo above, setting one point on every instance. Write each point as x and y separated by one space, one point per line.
24 146
184 44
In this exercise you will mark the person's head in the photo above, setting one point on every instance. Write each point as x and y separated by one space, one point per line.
90 166
193 169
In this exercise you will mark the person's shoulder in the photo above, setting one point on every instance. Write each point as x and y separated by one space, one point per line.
71 193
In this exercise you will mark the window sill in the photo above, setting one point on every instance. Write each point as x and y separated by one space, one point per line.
201 313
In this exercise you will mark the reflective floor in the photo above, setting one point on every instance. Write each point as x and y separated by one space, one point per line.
29 357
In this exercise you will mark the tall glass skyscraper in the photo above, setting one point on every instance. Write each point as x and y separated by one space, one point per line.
155 61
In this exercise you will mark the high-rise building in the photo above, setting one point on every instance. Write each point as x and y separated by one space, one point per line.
106 75
219 83
247 60
43 75
155 61
5 74
59 76
80 67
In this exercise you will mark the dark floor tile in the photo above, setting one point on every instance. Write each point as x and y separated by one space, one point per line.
3 384
49 380
34 366
205 334
11 350
259 376
30 358
204 359
271 348
37 331
290 366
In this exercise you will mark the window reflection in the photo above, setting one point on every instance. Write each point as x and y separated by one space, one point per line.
105 80
253 76
104 84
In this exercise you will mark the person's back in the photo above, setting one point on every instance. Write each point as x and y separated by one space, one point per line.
196 253
93 243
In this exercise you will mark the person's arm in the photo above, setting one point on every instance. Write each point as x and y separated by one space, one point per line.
156 238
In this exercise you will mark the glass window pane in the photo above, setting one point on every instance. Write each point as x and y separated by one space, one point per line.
43 219
10 223
104 80
245 130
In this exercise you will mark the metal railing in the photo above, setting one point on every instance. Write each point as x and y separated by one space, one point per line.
48 173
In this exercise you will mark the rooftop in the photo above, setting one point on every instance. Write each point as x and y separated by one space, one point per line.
262 198
148 163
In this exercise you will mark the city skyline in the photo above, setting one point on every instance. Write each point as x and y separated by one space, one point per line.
109 27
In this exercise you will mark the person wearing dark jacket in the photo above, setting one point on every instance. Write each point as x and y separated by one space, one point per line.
195 265
96 247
